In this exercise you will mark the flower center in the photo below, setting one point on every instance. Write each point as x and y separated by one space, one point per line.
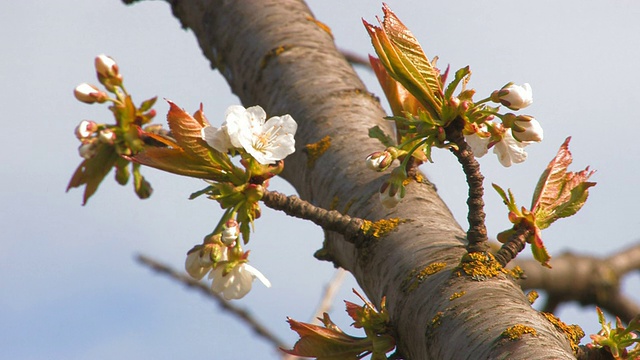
264 140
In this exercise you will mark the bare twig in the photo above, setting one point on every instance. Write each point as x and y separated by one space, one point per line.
243 315
328 220
329 294
356 59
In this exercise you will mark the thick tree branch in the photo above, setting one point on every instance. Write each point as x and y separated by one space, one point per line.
272 54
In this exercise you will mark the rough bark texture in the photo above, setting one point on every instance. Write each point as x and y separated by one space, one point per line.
274 55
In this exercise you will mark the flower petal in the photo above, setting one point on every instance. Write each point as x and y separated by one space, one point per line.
217 138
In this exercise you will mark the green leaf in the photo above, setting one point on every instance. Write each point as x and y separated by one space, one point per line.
142 187
200 192
147 104
509 201
377 133
560 193
404 59
92 171
460 74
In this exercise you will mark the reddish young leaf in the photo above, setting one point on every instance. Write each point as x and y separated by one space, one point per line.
326 343
187 131
560 193
400 100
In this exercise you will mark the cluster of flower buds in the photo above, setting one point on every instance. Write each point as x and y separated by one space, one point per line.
103 146
509 137
91 135
227 266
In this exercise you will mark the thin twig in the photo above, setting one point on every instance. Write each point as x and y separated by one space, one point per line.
241 314
477 233
329 294
329 220
356 59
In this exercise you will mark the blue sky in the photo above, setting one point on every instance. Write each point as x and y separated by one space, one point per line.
70 286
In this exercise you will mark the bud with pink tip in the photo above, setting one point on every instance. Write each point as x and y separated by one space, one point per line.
513 96
106 66
379 160
526 128
89 94
85 129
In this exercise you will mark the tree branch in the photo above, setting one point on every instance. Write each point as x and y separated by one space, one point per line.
243 315
586 279
276 57
327 219
477 233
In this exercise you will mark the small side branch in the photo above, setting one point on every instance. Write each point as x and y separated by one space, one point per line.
477 233
241 314
327 219
513 246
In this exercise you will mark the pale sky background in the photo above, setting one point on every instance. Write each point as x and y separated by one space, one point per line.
70 288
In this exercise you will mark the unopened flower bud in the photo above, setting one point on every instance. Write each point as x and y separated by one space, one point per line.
89 94
230 232
107 136
391 194
514 97
198 262
88 150
526 128
106 66
85 129
379 160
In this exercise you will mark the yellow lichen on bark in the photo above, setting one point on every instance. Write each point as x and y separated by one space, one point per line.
380 228
437 319
480 266
516 273
321 25
456 295
334 203
272 54
515 332
573 332
315 150
416 277
532 296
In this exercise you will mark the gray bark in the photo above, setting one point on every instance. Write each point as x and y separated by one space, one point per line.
311 80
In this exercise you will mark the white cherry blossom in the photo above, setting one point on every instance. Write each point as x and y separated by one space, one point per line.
217 138
267 141
237 283
510 150
479 144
